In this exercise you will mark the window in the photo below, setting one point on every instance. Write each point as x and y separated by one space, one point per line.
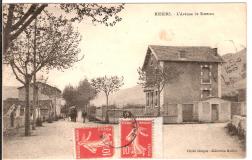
205 74
182 54
147 99
156 98
151 97
205 93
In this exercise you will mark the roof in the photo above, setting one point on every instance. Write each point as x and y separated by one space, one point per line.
43 84
191 53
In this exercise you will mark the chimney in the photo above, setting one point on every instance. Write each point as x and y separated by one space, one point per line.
215 51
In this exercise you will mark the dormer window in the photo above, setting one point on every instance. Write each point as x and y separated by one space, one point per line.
182 54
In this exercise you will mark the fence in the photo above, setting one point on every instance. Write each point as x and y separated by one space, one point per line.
116 113
9 123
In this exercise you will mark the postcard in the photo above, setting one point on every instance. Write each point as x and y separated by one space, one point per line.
123 80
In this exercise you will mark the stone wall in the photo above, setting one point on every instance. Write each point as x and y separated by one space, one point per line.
239 120
238 108
205 110
18 122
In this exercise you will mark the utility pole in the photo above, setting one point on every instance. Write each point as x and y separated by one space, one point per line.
55 98
34 78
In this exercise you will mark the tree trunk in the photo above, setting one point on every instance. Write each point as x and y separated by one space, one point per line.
7 28
106 115
27 108
158 103
34 102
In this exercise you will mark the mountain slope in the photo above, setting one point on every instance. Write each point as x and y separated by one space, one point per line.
234 72
9 92
132 95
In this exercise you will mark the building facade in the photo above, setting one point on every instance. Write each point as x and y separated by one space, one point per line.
49 98
198 79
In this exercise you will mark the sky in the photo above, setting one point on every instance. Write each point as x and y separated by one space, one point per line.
121 49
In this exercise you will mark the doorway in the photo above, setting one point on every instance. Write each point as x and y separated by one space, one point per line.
215 112
187 112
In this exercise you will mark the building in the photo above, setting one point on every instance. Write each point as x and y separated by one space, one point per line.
46 93
199 79
49 104
13 113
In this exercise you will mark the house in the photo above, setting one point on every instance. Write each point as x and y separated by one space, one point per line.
46 93
199 79
45 109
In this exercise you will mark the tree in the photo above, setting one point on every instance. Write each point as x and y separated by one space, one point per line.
56 46
85 93
17 17
17 22
79 96
69 94
108 85
157 77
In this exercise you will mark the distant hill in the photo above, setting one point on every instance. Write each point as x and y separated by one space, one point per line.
234 72
132 95
9 92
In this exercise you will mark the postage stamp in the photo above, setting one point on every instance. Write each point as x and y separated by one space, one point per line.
94 142
136 139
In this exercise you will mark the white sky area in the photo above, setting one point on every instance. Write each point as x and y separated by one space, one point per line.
121 49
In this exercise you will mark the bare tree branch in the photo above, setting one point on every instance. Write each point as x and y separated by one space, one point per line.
24 18
17 77
28 22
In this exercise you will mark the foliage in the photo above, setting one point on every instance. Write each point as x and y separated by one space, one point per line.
17 17
69 94
99 13
157 77
47 43
85 93
53 44
80 95
108 85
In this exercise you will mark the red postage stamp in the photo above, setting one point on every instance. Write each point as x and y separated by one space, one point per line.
94 142
136 138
